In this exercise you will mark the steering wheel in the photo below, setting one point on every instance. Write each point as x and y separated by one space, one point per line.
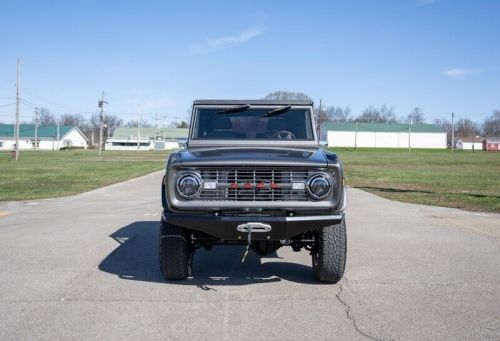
283 135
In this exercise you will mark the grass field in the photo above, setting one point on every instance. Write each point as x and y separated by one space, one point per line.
461 179
44 174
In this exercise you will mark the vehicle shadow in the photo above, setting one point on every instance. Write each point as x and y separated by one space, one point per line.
136 258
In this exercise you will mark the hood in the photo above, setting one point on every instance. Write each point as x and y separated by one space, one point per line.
220 157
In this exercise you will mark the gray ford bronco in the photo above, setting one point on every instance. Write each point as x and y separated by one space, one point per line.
252 173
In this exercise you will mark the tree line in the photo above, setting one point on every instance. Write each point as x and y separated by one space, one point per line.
386 114
90 126
372 114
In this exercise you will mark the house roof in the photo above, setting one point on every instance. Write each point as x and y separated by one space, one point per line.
382 127
472 139
131 133
28 131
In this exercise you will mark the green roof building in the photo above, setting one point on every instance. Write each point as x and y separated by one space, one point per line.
130 138
384 135
50 137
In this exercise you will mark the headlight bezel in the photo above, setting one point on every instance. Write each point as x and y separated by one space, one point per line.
184 176
315 177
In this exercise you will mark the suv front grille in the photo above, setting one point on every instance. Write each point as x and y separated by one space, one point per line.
243 184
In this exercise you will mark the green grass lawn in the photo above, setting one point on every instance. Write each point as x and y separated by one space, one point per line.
45 174
461 179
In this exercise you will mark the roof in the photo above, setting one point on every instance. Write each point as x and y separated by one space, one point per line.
492 140
28 131
249 101
471 139
383 127
131 133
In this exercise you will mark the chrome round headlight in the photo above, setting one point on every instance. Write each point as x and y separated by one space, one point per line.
189 185
319 186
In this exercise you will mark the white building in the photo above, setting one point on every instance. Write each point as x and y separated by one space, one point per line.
470 143
384 135
127 138
49 137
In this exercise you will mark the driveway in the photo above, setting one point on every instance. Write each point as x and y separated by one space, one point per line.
86 267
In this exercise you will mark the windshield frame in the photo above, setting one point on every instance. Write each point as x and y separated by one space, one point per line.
251 142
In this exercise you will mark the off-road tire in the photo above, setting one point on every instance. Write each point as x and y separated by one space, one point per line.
330 256
175 253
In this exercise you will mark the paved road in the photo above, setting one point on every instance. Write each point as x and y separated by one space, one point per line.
85 267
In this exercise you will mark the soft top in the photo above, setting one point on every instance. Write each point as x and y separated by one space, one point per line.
251 102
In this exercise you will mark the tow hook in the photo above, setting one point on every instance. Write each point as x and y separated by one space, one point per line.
249 228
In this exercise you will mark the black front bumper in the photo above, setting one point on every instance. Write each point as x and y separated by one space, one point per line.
225 227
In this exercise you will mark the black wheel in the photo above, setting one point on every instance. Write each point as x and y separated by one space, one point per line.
329 260
175 252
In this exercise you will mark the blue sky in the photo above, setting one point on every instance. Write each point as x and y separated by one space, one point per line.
157 56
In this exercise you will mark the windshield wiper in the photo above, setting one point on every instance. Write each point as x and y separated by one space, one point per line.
277 111
238 108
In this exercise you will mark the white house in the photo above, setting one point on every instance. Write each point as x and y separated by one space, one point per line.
50 137
384 135
127 138
470 143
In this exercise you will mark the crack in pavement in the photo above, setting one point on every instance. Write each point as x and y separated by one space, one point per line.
349 315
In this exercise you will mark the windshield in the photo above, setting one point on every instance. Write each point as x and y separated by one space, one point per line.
252 124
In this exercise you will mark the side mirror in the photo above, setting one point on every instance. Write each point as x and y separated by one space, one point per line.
182 143
323 144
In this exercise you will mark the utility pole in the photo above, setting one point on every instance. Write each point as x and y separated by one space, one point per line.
101 107
409 135
156 126
356 137
58 136
16 151
164 117
36 128
139 133
452 132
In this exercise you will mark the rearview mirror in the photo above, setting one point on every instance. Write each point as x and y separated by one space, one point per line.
182 143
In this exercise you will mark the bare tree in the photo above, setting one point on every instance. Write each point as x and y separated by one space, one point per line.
416 116
74 120
387 114
491 125
465 128
337 114
287 95
46 118
111 122
384 114
189 113
134 123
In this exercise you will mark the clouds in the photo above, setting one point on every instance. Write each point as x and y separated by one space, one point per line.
459 73
224 42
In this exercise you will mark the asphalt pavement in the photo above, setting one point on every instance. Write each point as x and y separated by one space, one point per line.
86 267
